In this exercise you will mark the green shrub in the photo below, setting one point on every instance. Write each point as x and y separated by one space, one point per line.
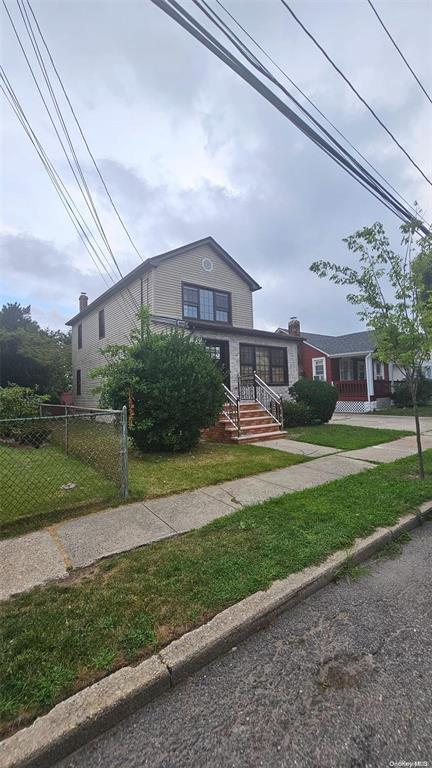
402 394
320 397
171 385
296 414
19 402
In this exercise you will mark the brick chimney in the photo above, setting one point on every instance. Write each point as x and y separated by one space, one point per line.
83 302
294 326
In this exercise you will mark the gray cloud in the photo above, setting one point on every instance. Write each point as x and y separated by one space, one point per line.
188 149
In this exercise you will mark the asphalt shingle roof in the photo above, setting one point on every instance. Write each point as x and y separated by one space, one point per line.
364 341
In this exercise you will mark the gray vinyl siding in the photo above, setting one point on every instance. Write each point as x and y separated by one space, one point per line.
120 318
187 267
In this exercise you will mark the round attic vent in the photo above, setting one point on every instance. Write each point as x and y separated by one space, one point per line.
207 264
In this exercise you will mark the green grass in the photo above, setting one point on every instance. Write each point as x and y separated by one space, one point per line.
31 495
58 639
32 479
153 474
424 410
343 436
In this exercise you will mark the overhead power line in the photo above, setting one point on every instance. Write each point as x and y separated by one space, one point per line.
87 197
84 231
354 89
399 51
188 22
78 124
73 212
291 81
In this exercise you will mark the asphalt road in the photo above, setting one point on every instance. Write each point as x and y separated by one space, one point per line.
345 679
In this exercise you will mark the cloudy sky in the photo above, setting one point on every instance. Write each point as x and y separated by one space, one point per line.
188 149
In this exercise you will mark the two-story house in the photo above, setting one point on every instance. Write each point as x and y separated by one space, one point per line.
201 287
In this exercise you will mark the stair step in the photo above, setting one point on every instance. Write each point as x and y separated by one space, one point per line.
254 428
257 438
248 420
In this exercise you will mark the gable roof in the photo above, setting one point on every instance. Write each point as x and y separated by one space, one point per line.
154 261
364 341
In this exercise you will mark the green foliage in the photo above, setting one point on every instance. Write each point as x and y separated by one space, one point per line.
20 403
401 320
169 382
33 356
402 395
296 414
320 397
393 294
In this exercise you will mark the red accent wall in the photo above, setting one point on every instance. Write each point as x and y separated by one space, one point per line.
306 355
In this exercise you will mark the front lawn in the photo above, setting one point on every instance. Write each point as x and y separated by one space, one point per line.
60 638
343 436
31 494
160 474
32 480
424 410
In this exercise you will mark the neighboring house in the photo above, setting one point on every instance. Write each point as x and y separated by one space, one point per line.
347 362
198 286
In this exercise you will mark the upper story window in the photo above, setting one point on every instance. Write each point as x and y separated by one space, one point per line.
101 321
206 304
79 335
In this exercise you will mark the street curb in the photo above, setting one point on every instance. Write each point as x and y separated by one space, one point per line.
97 708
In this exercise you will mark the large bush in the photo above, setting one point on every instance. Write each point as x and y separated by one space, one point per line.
296 414
319 396
22 403
171 385
19 402
402 397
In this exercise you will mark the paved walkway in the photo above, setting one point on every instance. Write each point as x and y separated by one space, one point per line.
49 554
382 422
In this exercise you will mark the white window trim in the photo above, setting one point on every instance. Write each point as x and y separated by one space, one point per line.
319 360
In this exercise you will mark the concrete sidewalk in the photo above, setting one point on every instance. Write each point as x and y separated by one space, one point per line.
49 554
378 421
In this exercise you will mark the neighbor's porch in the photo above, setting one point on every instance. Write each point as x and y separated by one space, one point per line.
360 378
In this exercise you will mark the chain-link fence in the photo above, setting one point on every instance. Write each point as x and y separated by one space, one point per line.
65 458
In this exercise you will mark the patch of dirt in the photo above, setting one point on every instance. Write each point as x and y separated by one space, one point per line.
345 671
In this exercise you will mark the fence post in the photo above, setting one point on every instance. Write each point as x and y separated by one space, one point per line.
124 452
66 430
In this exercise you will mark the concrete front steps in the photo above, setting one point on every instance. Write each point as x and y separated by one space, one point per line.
256 425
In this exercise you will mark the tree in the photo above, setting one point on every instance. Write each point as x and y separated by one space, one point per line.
169 382
31 356
394 299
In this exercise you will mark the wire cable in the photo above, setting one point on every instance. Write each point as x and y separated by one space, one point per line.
247 53
399 50
60 188
99 172
179 14
318 110
354 89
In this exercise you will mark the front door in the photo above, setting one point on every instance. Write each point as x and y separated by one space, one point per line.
219 351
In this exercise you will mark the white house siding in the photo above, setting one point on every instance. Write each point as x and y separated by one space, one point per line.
120 318
187 267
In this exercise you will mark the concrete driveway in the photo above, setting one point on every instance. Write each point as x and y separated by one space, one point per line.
382 422
344 680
